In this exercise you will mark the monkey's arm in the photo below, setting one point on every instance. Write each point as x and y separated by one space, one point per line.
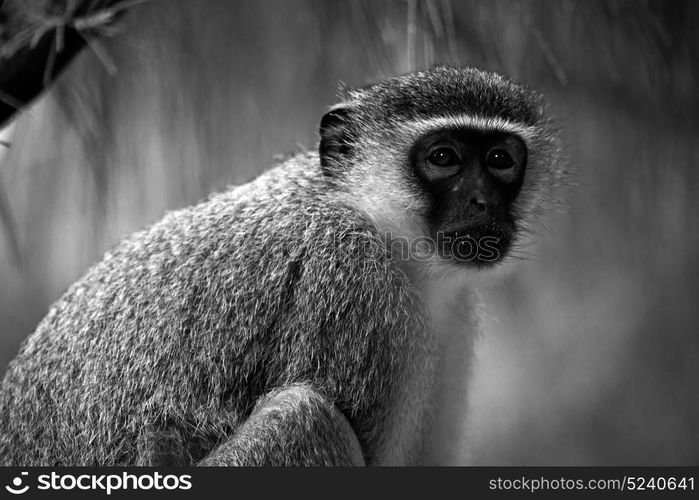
294 426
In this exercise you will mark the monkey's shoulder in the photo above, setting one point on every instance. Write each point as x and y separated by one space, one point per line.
269 283
283 243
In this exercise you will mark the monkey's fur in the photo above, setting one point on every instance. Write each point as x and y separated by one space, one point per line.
268 325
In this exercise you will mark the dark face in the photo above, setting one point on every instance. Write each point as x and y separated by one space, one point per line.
471 179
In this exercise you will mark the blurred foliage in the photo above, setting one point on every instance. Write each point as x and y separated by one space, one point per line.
591 352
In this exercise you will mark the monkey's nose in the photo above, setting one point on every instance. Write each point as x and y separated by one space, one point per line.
477 205
479 210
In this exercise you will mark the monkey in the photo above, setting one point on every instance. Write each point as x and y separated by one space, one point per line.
283 322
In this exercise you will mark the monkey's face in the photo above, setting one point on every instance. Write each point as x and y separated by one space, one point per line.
456 165
470 179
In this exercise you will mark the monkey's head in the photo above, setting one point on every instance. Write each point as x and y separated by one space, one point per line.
458 162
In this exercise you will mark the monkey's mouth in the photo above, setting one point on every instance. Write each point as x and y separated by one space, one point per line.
480 245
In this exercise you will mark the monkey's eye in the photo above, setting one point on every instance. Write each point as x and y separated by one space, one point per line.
499 159
444 156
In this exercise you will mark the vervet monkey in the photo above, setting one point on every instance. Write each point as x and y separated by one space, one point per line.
322 314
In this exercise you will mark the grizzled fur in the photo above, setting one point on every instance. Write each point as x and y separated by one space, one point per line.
162 350
444 91
373 112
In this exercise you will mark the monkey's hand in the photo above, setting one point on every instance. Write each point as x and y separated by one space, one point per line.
292 426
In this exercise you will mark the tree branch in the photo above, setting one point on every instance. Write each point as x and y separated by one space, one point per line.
39 38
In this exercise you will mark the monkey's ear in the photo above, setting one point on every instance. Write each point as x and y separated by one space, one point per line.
336 138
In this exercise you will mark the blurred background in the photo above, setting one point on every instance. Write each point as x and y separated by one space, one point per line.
591 348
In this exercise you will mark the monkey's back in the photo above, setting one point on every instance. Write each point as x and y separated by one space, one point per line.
161 350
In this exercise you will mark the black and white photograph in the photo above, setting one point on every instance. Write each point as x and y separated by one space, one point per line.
289 233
